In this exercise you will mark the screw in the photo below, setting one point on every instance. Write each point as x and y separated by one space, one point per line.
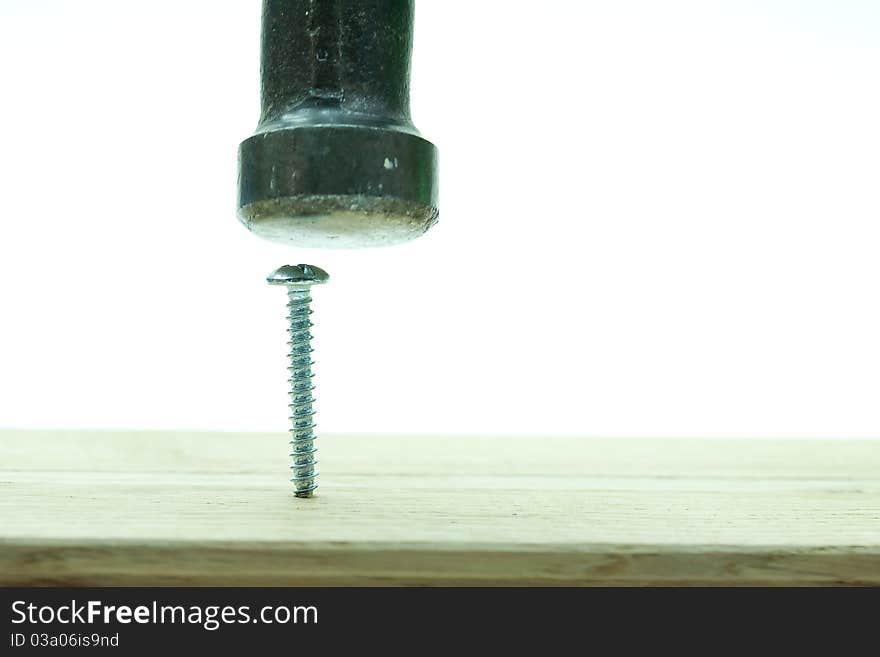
298 279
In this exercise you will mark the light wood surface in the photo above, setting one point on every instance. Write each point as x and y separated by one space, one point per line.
130 508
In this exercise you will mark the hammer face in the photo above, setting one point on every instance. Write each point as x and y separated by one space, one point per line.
307 225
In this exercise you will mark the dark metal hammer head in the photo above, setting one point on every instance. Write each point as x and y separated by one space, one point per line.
336 160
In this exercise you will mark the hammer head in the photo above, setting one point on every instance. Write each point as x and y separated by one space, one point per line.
336 161
338 186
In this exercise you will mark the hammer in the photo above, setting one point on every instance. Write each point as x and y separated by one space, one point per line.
335 160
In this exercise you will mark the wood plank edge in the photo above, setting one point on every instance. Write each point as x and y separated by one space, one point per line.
40 562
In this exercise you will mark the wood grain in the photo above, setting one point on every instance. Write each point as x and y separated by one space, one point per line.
138 508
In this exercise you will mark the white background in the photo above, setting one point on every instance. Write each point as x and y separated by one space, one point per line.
657 218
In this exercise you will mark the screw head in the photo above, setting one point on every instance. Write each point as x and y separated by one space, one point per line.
298 276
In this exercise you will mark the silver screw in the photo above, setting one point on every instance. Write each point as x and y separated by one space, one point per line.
298 279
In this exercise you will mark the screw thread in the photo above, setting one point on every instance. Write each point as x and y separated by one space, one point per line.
302 436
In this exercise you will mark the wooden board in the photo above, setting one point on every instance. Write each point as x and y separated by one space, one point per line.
129 508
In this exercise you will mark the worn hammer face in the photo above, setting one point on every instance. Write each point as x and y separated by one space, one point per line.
336 160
